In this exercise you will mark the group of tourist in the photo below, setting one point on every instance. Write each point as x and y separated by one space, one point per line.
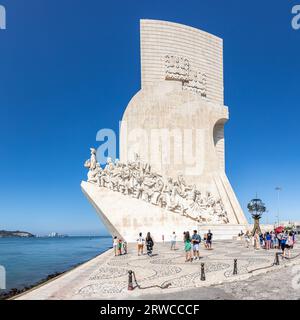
119 246
191 244
283 240
148 241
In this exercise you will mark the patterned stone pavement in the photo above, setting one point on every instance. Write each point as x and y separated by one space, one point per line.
106 276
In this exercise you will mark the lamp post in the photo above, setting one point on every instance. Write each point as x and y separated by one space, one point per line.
278 189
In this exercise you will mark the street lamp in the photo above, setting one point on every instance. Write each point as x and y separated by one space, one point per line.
278 189
256 208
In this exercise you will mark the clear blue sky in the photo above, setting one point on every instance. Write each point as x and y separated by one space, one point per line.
69 67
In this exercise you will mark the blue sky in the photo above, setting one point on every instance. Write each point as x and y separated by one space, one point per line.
69 68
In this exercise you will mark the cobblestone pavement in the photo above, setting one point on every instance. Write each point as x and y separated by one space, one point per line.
274 285
106 276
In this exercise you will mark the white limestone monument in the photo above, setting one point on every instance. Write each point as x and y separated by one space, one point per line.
171 173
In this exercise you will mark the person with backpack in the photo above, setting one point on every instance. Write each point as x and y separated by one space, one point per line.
196 239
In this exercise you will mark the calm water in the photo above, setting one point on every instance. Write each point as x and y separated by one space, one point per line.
29 260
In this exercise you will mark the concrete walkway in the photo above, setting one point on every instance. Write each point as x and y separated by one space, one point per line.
106 276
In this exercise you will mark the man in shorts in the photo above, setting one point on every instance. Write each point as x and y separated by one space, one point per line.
209 239
196 239
140 242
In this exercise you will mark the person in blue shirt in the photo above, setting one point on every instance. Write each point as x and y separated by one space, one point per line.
196 239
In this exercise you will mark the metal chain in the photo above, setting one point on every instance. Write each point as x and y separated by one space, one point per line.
154 286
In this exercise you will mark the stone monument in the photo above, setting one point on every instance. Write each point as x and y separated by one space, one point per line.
171 173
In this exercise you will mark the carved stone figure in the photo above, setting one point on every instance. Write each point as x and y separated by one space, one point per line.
136 179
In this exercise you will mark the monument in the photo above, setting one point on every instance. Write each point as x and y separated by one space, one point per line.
171 173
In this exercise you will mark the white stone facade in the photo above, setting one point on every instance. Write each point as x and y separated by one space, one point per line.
176 124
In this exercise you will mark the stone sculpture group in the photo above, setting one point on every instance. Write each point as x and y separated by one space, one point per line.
137 180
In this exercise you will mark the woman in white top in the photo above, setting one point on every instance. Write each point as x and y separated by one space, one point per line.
288 245
173 241
115 245
140 242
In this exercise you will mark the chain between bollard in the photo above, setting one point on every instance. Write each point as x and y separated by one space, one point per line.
131 277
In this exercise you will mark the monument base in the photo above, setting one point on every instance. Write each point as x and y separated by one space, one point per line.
125 217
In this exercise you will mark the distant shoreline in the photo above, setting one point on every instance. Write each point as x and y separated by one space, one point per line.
15 234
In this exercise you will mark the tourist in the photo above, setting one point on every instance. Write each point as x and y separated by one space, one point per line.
140 242
288 245
247 239
163 238
125 247
115 244
187 247
149 244
276 243
268 241
256 241
173 241
261 240
283 243
196 239
279 237
294 238
272 239
120 247
209 239
205 240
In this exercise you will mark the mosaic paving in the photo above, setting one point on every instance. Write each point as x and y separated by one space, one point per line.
107 276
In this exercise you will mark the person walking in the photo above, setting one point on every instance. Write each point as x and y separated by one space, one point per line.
140 243
125 247
288 245
209 239
188 247
115 244
149 244
283 243
247 239
196 239
173 241
256 241
120 247
268 241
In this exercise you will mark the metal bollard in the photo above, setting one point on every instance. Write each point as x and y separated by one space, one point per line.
277 258
235 270
130 284
202 272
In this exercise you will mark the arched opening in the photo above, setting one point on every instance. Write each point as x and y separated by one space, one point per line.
219 141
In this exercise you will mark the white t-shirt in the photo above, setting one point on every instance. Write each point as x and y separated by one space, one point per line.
173 237
115 242
140 240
